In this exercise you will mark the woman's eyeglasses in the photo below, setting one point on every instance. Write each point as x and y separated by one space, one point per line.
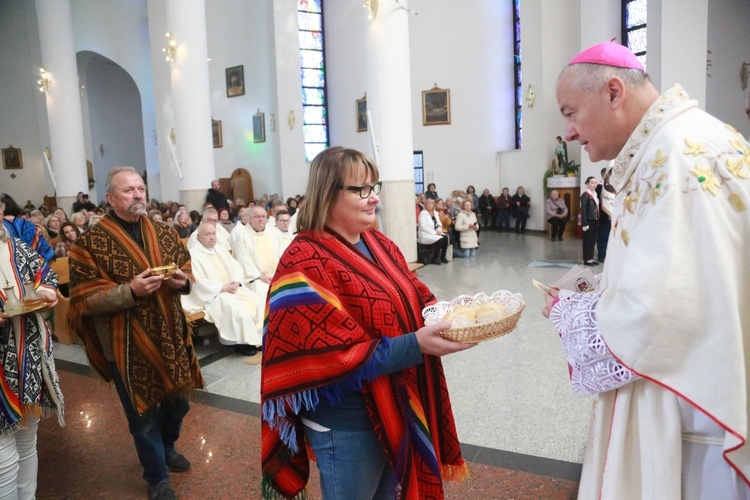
365 191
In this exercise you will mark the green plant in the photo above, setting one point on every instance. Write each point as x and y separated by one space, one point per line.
570 167
549 173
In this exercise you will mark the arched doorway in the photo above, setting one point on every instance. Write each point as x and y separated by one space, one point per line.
113 121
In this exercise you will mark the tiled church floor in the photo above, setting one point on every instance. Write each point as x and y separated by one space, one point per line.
521 428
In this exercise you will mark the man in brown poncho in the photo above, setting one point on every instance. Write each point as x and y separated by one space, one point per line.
132 323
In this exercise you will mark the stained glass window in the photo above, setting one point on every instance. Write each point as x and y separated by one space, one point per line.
419 172
517 72
634 27
312 70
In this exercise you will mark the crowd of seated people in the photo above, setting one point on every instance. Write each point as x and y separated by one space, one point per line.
476 213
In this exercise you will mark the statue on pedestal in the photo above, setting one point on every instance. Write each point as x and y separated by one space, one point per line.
561 152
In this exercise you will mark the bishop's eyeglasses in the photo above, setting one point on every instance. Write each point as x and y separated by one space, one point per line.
365 191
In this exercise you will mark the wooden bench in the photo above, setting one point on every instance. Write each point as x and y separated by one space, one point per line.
201 327
62 309
415 267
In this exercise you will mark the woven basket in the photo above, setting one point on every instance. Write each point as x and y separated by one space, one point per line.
461 332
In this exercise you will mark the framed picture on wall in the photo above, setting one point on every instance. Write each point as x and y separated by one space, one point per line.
216 132
12 158
259 127
235 81
362 114
436 106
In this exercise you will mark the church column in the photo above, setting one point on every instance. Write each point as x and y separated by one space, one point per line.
668 21
63 100
389 103
186 21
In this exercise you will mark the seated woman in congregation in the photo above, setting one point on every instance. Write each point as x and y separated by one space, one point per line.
557 215
184 225
467 226
68 234
53 227
225 220
430 234
521 204
62 214
445 220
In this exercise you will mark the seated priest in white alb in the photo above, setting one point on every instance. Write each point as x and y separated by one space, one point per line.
275 208
236 311
282 228
245 214
211 215
258 250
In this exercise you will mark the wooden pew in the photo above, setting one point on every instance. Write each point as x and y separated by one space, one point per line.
62 309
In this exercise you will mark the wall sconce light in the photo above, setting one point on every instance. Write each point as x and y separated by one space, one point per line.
44 80
169 50
530 97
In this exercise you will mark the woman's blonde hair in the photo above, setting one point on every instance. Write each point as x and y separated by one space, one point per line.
330 170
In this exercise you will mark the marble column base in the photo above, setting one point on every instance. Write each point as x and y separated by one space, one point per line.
398 216
66 203
194 199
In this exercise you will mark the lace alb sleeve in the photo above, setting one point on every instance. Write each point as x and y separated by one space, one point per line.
593 368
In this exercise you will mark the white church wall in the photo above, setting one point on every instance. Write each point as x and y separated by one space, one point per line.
468 50
119 31
22 106
729 43
242 34
346 26
599 22
115 121
549 38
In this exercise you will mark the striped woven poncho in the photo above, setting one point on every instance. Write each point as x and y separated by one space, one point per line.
329 306
151 342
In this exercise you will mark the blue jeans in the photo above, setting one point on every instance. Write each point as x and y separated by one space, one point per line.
464 252
154 432
503 221
352 465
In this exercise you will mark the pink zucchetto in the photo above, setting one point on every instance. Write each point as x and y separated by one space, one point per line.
609 54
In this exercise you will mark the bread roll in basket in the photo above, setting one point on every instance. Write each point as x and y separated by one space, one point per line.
477 318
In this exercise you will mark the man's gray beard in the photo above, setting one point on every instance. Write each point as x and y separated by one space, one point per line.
4 234
137 210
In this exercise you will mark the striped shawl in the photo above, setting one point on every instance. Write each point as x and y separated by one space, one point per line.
151 342
329 306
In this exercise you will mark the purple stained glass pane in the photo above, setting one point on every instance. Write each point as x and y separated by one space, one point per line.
315 133
312 150
635 13
312 96
309 5
314 114
311 59
311 40
310 22
313 78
